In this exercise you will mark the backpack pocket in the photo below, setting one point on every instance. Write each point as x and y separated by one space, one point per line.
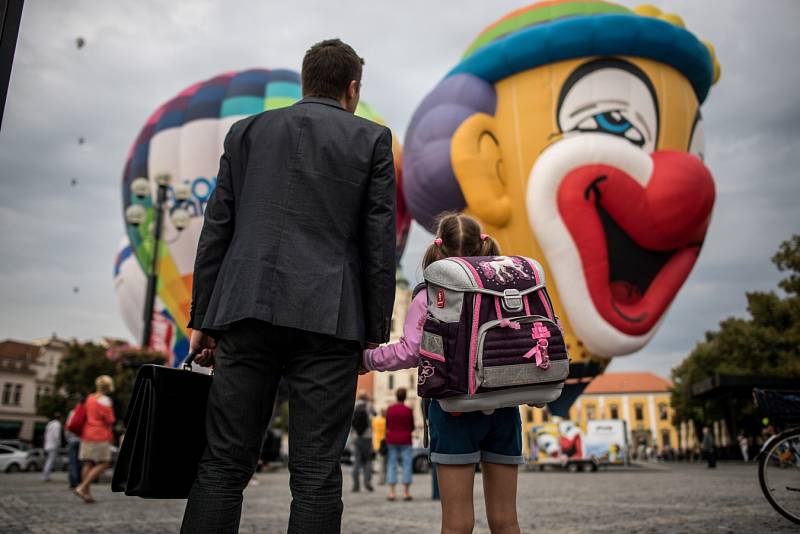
434 379
521 351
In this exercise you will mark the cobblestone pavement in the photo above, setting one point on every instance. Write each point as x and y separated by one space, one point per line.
680 498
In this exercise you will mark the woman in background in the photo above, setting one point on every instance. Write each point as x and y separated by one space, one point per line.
95 450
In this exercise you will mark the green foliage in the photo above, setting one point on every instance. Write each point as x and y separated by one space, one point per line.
766 344
49 405
80 367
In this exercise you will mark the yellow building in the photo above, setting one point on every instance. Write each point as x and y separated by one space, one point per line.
640 399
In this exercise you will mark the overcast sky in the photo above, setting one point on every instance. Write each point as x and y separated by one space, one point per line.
56 237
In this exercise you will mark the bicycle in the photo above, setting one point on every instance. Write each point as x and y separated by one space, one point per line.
779 458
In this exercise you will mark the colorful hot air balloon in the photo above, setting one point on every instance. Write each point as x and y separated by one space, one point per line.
572 130
183 138
130 284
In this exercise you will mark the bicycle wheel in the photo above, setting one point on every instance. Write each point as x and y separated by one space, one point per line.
779 474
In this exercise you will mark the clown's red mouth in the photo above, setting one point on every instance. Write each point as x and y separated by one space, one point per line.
637 244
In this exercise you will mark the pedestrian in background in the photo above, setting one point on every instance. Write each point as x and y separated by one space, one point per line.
52 442
379 442
73 429
744 445
362 442
709 448
399 426
95 449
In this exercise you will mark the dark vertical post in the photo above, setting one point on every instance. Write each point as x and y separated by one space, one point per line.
152 276
10 16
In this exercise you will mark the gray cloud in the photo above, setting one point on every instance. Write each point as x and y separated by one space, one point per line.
139 54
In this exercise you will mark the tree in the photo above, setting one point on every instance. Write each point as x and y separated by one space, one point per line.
766 344
83 363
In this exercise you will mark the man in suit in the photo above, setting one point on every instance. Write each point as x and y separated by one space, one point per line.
294 276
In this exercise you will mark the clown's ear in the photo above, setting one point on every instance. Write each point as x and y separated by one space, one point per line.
478 165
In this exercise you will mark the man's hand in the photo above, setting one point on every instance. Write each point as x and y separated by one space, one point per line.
370 346
204 346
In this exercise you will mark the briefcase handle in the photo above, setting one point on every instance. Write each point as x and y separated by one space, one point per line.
187 363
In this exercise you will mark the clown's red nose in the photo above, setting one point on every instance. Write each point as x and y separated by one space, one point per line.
680 196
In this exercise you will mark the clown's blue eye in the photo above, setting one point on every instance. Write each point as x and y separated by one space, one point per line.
614 123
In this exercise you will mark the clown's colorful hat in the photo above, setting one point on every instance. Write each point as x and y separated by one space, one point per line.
557 30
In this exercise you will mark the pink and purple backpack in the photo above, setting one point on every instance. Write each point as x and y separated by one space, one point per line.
490 338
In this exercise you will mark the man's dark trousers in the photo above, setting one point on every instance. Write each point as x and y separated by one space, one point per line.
321 372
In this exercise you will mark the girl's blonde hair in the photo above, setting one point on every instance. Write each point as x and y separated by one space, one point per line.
460 235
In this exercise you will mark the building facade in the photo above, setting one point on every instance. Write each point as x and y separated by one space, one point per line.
640 399
27 371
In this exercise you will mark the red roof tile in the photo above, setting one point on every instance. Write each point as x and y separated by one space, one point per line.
17 350
640 382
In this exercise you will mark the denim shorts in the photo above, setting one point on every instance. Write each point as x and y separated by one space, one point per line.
472 437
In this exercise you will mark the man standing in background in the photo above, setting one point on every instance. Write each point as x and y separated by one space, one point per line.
52 442
362 442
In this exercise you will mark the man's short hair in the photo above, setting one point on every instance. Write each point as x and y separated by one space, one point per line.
328 68
401 394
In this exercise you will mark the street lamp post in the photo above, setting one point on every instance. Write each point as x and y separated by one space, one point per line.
136 214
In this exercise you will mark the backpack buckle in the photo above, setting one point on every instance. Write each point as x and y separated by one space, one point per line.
512 300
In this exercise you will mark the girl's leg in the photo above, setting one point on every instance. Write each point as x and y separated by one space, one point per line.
500 493
455 489
391 473
407 469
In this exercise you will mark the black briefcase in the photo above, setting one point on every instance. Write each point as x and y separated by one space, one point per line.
165 433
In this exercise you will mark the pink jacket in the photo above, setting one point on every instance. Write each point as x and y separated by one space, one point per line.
404 353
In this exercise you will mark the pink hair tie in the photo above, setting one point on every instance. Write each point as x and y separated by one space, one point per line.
484 237
438 241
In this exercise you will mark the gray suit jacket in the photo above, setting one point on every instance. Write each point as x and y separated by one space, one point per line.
300 229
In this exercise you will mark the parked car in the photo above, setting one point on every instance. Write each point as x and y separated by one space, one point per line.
419 458
16 444
12 460
37 457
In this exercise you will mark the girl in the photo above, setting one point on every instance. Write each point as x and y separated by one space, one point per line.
459 442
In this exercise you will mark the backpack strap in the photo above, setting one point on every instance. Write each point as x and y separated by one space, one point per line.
418 288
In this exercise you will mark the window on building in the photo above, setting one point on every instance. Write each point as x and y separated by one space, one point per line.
665 441
663 412
545 415
17 394
614 411
639 410
529 415
391 382
590 413
412 381
7 393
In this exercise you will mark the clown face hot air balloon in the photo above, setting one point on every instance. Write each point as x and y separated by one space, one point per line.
572 130
183 139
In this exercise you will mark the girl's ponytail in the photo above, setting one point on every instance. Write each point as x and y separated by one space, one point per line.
459 235
489 246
